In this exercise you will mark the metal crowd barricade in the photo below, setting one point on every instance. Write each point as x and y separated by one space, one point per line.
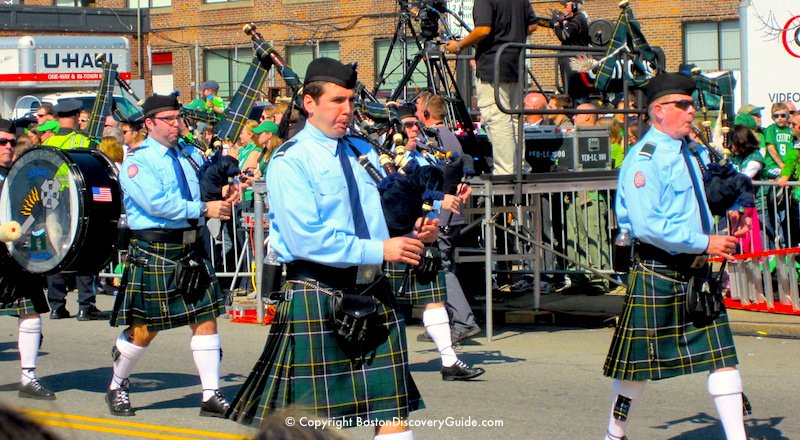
753 285
511 244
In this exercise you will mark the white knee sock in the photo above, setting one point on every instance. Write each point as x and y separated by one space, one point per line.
631 389
205 349
30 335
437 324
129 355
726 389
405 435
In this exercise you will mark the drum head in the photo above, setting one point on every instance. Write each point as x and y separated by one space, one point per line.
46 193
601 31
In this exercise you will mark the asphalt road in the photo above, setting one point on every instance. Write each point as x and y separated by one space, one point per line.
541 383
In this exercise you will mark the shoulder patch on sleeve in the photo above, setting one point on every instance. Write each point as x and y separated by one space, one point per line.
133 170
282 149
639 179
647 150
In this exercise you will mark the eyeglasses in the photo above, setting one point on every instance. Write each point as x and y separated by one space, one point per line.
779 115
410 124
4 142
39 115
682 104
168 119
83 120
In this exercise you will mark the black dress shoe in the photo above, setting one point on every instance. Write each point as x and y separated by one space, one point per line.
460 371
466 334
59 313
216 406
35 390
119 403
93 314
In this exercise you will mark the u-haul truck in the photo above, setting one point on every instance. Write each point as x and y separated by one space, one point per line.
32 66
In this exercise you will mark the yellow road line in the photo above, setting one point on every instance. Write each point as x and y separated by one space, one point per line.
43 416
125 432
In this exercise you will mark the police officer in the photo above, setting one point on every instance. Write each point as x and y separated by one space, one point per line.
167 282
67 136
661 201
21 294
328 227
59 284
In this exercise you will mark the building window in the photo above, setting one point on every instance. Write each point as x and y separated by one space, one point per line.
228 67
394 68
74 3
299 57
135 4
712 45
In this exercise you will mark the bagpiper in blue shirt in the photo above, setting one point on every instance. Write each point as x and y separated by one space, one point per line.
310 214
655 197
152 196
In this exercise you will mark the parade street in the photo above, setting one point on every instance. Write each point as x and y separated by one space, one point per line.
541 382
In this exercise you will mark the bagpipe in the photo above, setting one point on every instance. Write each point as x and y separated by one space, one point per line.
104 104
220 169
725 186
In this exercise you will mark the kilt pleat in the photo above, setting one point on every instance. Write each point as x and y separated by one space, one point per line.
148 296
415 292
655 340
303 368
33 302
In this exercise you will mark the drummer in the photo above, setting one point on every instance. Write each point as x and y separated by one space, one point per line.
165 214
21 294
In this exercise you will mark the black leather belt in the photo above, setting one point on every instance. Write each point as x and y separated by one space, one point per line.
175 236
333 277
648 252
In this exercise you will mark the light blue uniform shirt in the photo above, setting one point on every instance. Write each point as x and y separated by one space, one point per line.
656 201
309 204
151 193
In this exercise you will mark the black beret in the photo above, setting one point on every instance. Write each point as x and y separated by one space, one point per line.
330 70
407 111
668 84
159 103
68 107
7 126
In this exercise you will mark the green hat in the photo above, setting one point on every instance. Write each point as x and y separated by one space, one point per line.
48 126
197 104
746 120
750 109
266 126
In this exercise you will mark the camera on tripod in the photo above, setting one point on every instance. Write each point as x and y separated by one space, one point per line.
429 12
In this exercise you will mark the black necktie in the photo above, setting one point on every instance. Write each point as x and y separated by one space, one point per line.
359 221
706 222
183 184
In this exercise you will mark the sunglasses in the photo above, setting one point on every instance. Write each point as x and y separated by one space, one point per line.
4 142
682 104
409 124
779 115
38 115
83 120
792 112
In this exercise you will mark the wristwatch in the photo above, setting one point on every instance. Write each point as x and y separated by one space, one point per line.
205 208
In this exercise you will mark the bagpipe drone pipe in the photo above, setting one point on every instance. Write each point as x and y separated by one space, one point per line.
104 103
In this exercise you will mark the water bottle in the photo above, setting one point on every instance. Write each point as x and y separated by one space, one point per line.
622 251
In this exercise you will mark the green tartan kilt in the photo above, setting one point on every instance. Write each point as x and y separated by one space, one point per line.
303 369
415 293
654 340
147 294
32 301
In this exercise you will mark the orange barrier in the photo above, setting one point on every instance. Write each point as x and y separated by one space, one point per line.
250 315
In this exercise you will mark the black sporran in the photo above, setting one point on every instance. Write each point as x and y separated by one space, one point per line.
191 279
429 265
358 326
704 302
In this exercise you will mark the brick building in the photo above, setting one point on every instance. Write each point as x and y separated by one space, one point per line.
188 41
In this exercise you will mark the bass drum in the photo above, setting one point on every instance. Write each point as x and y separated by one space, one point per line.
67 203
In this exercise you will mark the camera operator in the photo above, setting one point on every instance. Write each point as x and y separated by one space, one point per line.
498 22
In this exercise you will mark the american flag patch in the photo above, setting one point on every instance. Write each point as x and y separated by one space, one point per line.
101 194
